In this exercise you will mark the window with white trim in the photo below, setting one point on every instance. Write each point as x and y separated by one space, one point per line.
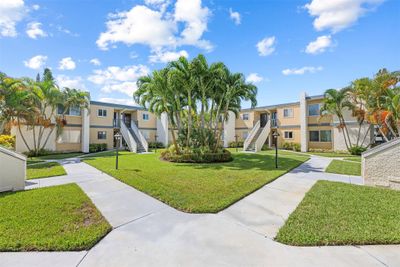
73 111
102 113
313 110
288 113
326 135
288 135
314 136
145 116
245 116
245 135
101 135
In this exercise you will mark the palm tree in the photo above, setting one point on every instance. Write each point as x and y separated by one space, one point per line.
182 77
335 103
234 90
154 92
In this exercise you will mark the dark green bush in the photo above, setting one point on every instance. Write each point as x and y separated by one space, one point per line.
235 144
41 152
156 145
291 146
97 147
357 150
221 156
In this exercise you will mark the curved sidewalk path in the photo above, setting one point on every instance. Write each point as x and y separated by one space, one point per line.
149 233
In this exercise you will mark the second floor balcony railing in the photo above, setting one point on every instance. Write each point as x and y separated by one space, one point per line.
274 122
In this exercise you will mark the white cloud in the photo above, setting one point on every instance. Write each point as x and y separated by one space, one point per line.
266 46
33 30
66 81
95 61
301 71
35 7
195 17
121 101
254 78
66 64
319 45
339 14
235 16
167 56
11 12
120 79
156 28
140 25
36 62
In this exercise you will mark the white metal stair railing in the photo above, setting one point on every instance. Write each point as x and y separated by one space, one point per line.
250 137
262 137
130 141
140 137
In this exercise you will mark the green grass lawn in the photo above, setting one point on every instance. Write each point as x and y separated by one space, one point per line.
197 187
356 159
42 170
335 213
344 167
49 219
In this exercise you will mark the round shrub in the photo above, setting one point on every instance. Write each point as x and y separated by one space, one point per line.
208 157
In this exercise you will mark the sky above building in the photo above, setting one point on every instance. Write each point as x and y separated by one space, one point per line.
282 46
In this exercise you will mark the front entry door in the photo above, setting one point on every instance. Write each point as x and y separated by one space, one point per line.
263 119
127 120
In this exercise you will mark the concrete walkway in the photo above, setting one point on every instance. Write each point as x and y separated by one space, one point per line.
150 233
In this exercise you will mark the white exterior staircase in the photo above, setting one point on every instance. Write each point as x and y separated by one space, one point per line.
134 138
257 137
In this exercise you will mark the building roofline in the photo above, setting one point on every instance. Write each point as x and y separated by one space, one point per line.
99 103
283 104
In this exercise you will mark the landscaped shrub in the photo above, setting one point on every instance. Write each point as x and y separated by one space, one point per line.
235 144
156 145
357 150
291 146
41 152
97 147
7 141
222 155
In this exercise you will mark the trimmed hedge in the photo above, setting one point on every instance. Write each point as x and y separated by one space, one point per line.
97 147
223 156
291 146
235 144
156 145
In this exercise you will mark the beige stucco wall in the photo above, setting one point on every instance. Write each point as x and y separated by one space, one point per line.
382 168
110 137
296 135
338 139
295 120
101 121
240 123
28 135
12 171
149 124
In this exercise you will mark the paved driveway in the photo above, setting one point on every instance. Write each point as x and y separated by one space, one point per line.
150 233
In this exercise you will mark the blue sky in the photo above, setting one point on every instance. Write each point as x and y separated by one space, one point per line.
284 47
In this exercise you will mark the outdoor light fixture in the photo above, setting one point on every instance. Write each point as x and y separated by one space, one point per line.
155 143
236 138
276 135
118 139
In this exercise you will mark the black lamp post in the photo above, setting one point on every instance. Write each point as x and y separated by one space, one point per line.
276 135
118 139
155 143
236 142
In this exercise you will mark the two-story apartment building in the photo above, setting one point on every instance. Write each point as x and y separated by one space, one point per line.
296 122
98 125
